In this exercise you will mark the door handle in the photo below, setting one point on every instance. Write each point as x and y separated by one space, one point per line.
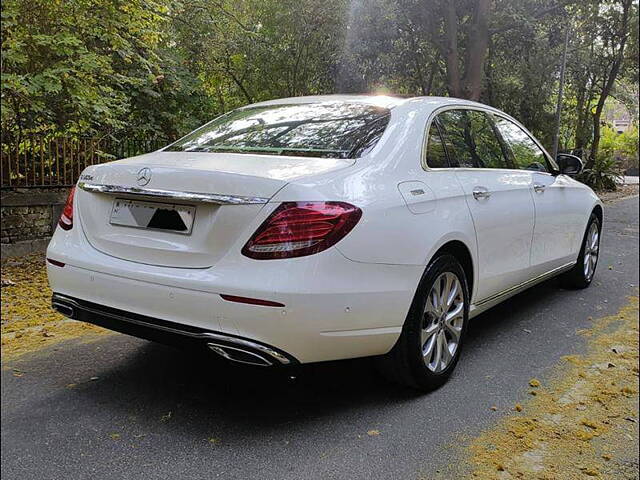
481 192
539 187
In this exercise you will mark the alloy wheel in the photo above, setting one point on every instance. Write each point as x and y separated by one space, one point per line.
591 247
442 322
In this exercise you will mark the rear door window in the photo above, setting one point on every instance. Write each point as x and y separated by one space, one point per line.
328 129
471 140
436 154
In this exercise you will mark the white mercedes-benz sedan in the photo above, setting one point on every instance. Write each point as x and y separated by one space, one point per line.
322 228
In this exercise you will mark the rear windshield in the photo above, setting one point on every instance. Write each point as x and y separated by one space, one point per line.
331 130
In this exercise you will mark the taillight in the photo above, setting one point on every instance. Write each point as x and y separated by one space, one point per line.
296 229
66 218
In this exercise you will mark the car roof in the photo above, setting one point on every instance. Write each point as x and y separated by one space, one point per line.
386 101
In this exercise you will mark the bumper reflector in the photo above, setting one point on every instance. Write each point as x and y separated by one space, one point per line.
55 262
251 301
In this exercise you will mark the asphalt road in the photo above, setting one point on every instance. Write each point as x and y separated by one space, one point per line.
157 413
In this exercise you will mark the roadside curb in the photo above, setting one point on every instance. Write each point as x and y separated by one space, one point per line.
616 200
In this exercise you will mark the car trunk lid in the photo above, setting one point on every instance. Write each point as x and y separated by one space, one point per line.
179 209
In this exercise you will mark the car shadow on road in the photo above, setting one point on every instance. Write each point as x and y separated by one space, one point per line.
525 304
199 391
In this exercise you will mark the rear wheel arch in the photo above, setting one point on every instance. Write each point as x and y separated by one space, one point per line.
406 363
463 254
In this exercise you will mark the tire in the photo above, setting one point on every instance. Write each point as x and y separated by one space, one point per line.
580 276
407 364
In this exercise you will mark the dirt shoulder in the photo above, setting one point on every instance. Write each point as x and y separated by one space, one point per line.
623 191
583 423
28 321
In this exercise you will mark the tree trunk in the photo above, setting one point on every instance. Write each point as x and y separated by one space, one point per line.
432 73
609 82
595 145
418 64
489 74
477 51
468 85
584 102
580 100
451 50
239 84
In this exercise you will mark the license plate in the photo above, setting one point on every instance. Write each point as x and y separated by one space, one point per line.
153 215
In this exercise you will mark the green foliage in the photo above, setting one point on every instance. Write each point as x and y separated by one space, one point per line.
521 78
602 177
158 67
617 152
621 147
163 67
627 145
75 65
255 50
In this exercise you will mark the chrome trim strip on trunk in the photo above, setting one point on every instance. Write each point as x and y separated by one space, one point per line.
62 300
173 194
528 283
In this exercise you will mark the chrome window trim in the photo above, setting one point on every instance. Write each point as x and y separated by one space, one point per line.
485 109
197 197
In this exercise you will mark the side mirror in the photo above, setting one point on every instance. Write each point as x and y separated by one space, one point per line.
569 164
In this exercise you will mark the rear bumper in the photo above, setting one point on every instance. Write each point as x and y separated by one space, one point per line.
228 346
334 308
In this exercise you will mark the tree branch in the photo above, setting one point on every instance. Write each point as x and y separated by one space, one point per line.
534 16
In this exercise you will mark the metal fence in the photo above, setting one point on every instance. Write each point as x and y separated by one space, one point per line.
54 161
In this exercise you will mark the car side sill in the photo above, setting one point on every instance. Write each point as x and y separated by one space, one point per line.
485 304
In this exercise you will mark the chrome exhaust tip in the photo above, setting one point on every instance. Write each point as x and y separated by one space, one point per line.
239 355
65 310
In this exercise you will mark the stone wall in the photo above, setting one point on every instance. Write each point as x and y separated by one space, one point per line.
28 218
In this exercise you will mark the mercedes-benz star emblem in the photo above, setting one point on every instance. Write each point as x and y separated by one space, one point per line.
144 176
